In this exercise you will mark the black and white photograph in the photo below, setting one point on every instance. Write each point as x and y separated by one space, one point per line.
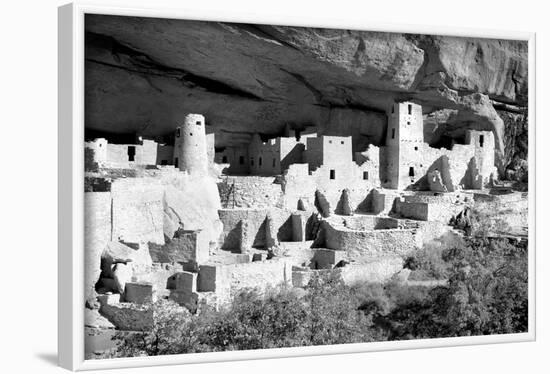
275 187
253 186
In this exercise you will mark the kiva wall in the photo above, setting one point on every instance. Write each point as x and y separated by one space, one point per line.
360 245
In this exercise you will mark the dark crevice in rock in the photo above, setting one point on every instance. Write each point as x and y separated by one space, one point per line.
144 64
352 106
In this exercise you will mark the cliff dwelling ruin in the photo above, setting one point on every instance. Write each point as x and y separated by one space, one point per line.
197 223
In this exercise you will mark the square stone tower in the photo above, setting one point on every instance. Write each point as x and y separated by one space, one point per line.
404 145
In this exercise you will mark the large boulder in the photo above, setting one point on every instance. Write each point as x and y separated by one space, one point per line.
122 274
191 203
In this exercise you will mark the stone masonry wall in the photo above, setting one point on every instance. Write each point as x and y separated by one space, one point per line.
250 192
298 184
255 219
227 280
361 245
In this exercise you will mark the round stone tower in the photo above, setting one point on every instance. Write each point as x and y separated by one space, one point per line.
190 151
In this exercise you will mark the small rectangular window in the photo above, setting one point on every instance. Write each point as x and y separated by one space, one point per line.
481 139
416 148
365 175
131 153
176 162
393 133
332 174
198 123
260 161
411 171
410 108
408 122
241 160
342 142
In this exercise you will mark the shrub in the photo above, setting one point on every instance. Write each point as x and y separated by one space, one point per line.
486 294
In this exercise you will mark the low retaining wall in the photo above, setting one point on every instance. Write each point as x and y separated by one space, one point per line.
227 280
365 222
441 211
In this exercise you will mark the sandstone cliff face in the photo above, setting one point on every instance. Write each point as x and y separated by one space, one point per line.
143 75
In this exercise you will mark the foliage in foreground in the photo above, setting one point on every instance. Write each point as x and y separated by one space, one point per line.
486 293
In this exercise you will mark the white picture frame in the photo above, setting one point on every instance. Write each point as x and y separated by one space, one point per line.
71 189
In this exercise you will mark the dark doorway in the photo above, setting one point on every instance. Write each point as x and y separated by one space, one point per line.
241 160
131 153
224 159
410 109
176 162
393 133
164 162
365 175
332 174
481 140
411 172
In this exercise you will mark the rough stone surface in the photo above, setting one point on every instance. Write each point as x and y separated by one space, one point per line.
139 293
377 270
128 316
185 246
97 233
345 207
116 252
122 274
137 206
109 299
92 318
194 202
435 181
250 192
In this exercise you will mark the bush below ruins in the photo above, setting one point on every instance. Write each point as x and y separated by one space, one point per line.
486 293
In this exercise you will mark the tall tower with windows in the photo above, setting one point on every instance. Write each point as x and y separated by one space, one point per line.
404 145
190 149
